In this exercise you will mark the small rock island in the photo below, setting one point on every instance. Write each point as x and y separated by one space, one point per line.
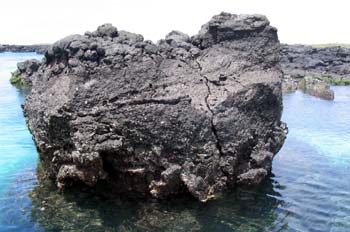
189 115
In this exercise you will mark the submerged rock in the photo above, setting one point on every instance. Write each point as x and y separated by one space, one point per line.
316 87
186 115
312 85
77 209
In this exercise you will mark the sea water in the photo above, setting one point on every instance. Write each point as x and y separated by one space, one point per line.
309 189
18 156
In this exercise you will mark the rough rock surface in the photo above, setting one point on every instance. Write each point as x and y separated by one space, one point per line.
317 88
192 115
314 86
40 49
22 77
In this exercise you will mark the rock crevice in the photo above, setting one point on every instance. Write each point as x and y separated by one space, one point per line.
218 145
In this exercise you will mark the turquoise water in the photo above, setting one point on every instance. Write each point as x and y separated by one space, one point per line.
309 189
18 157
313 167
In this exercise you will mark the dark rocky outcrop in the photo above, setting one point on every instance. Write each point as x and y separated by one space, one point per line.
40 49
315 69
22 77
311 85
192 115
316 87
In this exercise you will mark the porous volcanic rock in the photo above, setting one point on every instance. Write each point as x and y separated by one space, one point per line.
314 86
194 115
22 77
317 88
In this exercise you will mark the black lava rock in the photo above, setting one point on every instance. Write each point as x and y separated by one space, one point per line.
192 115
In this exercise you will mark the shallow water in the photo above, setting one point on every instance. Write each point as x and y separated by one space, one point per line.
18 157
308 191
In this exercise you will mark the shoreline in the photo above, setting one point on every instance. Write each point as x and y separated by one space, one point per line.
40 49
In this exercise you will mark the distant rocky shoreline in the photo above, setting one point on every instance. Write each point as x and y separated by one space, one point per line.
313 70
302 60
40 49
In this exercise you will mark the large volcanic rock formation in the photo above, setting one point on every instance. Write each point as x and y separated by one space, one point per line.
192 115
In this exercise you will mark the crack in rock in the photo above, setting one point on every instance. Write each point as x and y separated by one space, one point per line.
213 128
171 101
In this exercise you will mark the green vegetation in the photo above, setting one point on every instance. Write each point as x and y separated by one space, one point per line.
331 45
340 82
18 81
328 79
302 84
288 89
333 81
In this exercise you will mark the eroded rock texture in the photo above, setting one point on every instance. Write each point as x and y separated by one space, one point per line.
22 77
192 115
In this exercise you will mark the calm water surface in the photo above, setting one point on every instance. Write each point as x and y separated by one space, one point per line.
18 157
308 191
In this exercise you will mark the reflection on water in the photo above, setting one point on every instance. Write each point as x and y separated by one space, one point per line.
242 210
308 191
